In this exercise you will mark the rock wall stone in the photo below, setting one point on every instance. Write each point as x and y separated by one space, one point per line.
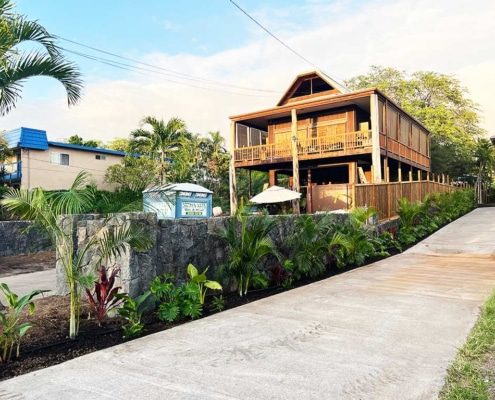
176 243
20 237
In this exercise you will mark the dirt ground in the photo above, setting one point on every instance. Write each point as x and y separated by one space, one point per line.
14 265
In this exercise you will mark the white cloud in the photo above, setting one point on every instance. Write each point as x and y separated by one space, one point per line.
444 36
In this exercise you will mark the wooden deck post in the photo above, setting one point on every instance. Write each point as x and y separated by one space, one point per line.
410 174
443 178
387 171
232 178
376 163
295 160
399 173
309 195
272 177
419 175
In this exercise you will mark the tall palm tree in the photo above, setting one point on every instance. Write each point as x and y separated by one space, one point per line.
161 142
16 65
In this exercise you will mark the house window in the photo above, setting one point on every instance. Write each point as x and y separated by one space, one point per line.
100 157
59 158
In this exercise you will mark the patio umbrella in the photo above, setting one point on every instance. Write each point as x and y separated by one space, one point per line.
275 194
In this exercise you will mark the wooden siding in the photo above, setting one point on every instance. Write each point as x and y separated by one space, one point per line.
403 138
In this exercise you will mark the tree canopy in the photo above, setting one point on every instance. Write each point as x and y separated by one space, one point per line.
440 103
76 139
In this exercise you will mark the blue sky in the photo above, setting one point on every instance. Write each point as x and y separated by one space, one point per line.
214 40
134 28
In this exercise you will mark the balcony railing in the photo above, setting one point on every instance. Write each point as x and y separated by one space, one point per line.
330 145
11 172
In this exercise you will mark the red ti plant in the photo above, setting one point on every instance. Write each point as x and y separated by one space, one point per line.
104 297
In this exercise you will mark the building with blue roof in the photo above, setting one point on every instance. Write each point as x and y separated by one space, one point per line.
39 162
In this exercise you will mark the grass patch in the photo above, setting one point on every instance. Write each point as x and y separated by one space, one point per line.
470 377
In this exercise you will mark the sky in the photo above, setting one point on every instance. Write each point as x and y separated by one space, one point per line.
212 40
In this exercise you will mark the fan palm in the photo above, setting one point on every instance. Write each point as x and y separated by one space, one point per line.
45 209
161 142
16 66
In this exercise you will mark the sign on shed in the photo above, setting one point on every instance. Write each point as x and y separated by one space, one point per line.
178 200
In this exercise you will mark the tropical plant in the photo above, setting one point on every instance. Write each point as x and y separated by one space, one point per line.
17 65
309 246
11 329
202 282
5 151
217 303
161 142
132 311
338 247
45 208
176 301
354 239
103 298
133 174
248 244
485 164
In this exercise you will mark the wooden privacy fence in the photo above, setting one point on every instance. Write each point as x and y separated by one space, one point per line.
383 196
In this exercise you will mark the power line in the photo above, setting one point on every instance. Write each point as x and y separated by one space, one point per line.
276 37
273 35
176 74
141 70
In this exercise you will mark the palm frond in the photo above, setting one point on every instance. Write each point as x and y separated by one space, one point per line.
22 30
114 242
37 64
77 199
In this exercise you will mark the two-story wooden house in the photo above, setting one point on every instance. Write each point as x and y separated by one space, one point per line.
325 139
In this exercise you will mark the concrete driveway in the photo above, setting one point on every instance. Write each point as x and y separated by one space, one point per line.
385 331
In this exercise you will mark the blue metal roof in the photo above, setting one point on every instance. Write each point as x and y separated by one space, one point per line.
87 148
27 138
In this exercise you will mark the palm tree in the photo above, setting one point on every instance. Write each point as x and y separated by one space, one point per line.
161 142
249 243
45 209
16 66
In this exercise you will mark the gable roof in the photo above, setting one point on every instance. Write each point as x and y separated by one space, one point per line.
341 89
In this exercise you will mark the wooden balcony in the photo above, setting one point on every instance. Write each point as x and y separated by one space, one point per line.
339 144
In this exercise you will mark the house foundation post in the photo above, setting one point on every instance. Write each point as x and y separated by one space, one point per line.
295 160
232 177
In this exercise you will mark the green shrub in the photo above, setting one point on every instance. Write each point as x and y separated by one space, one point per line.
11 329
248 243
176 302
217 304
132 311
308 246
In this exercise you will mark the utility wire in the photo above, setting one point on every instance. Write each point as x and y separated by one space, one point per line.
176 74
141 70
273 35
276 37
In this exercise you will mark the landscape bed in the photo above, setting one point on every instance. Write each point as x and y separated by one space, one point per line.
317 249
47 342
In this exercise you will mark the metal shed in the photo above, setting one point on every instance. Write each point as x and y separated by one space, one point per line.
178 200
